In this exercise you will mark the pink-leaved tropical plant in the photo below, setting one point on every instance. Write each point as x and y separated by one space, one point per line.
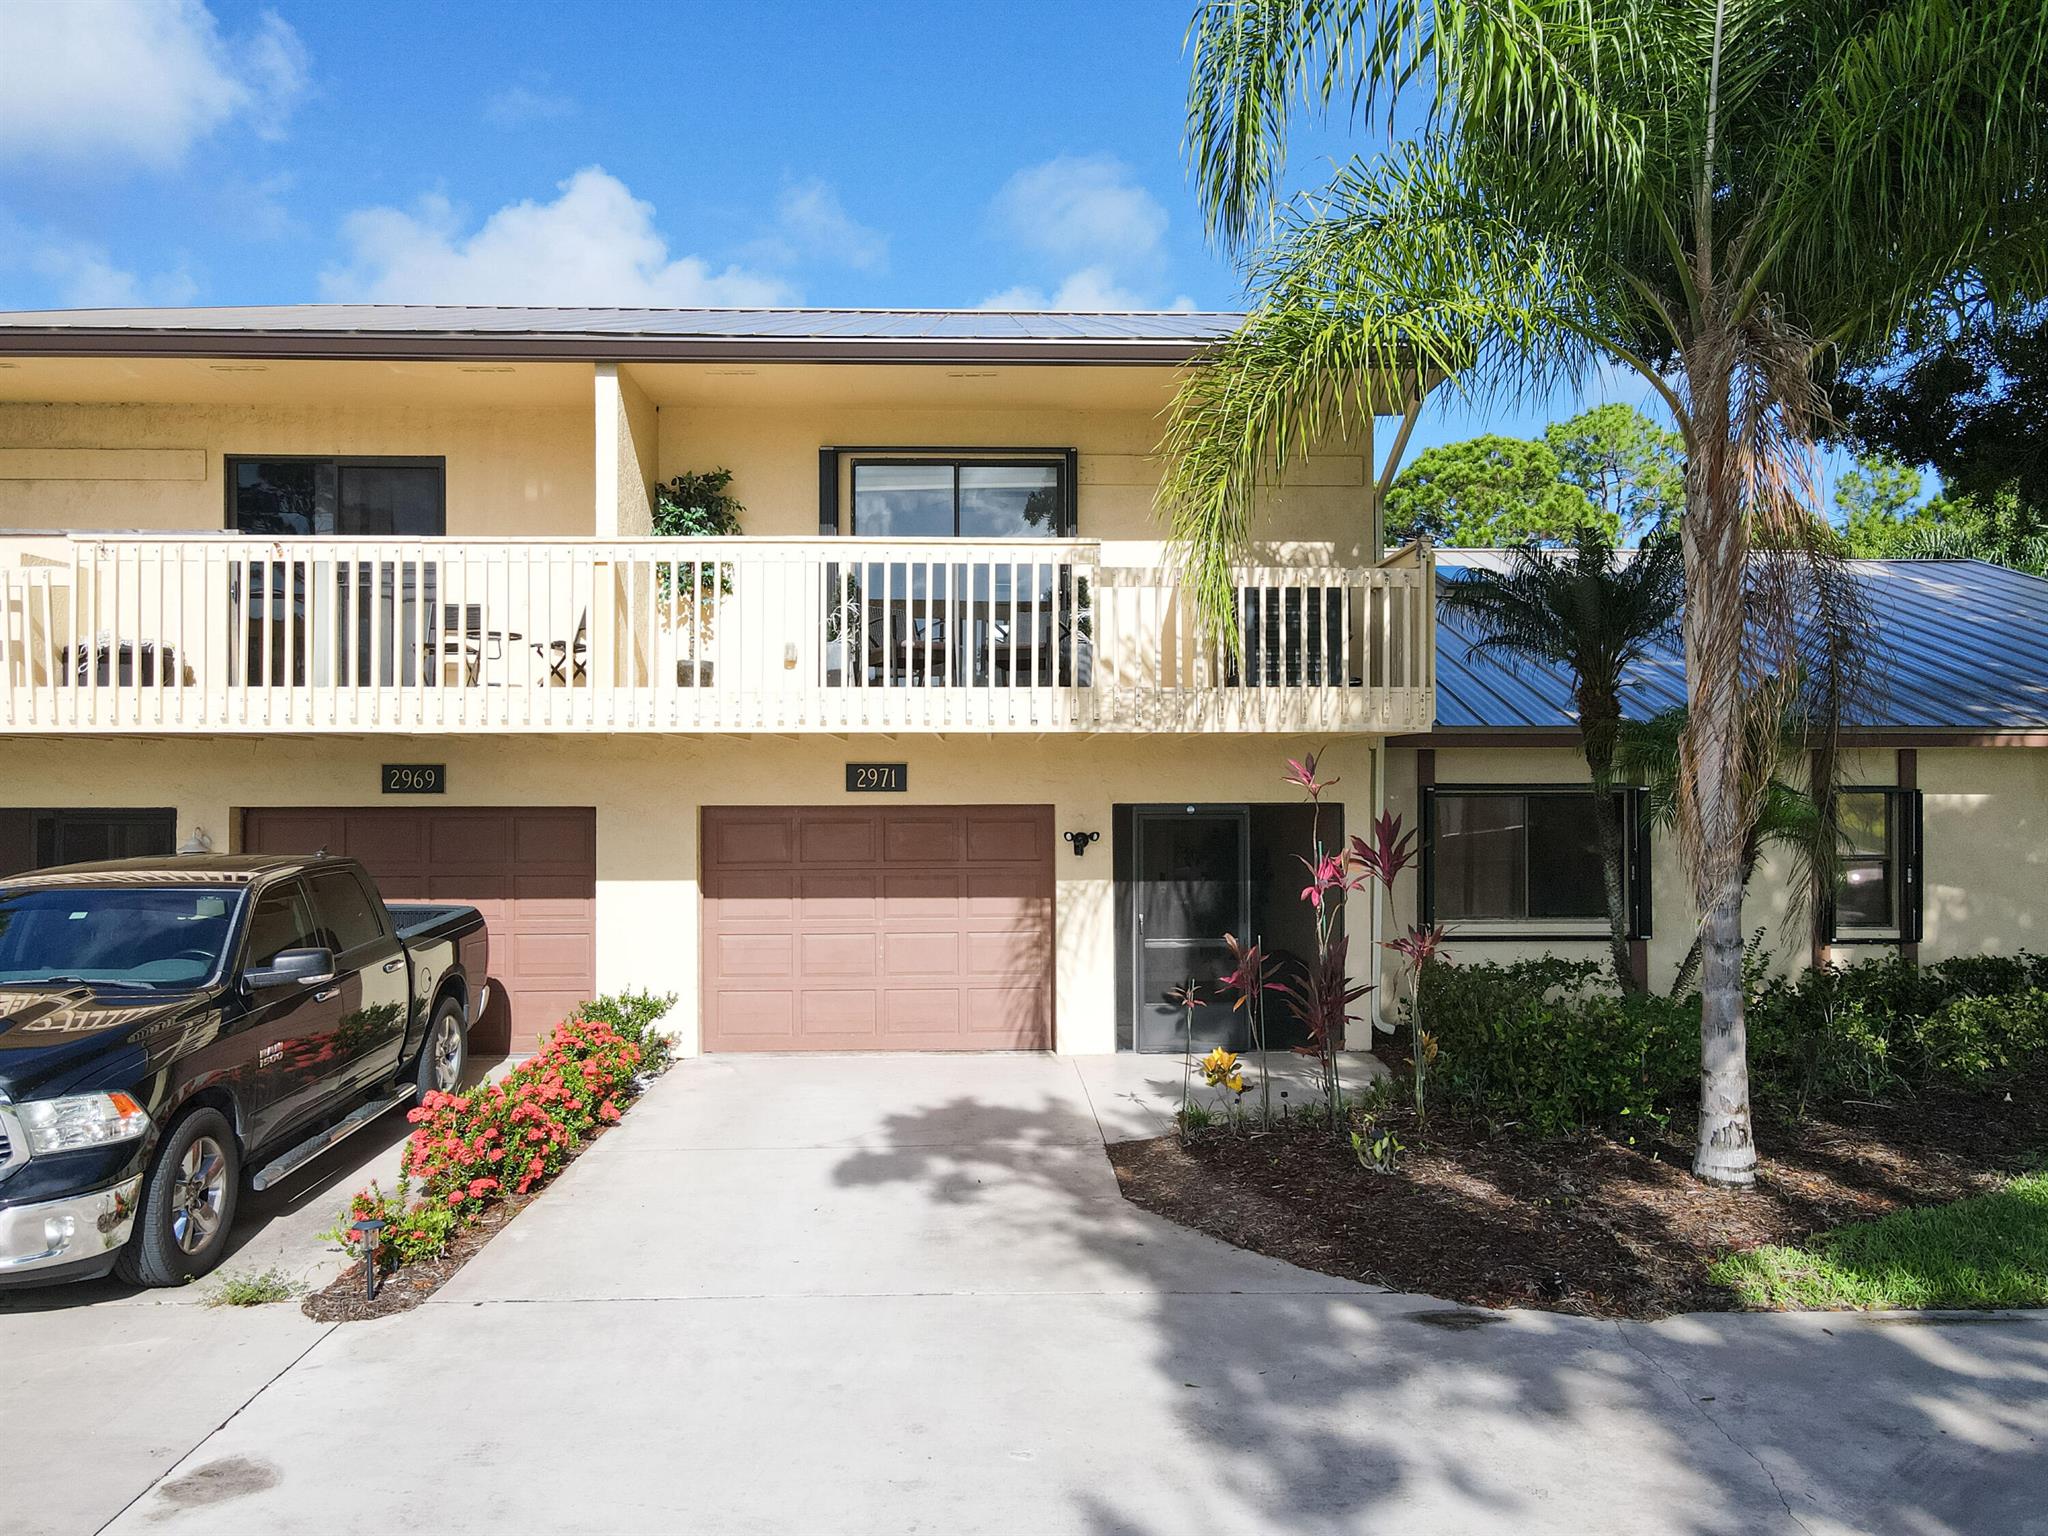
1248 982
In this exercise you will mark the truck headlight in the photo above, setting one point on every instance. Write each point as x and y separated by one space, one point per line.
80 1120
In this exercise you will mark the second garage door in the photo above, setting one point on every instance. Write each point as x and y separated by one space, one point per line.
926 928
532 873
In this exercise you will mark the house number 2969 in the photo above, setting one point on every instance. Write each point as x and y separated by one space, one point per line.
877 778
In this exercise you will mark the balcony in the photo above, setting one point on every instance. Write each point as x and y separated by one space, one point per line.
221 634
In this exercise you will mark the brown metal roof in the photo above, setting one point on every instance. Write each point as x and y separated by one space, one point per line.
681 335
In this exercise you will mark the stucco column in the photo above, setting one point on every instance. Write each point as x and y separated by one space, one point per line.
625 446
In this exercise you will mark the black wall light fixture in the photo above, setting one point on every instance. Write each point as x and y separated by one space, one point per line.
1081 840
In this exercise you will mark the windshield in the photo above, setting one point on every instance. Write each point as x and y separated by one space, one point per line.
114 936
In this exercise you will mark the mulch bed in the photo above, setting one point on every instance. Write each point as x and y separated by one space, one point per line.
1586 1225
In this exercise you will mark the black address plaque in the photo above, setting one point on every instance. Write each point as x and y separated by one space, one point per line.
415 778
877 778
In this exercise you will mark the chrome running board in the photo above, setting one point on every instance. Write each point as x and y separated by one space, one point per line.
297 1158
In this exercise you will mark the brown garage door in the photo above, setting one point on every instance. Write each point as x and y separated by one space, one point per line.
532 873
926 928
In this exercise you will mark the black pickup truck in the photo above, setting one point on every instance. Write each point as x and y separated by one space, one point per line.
168 1023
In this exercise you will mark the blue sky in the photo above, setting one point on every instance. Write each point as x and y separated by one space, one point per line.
214 151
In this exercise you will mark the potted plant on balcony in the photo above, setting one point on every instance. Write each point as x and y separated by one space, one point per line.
695 505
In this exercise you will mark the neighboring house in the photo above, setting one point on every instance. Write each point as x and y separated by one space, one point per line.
930 757
1944 808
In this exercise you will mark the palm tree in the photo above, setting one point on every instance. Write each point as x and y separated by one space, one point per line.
1595 612
1790 819
1731 198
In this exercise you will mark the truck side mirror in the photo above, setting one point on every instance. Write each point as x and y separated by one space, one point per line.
291 967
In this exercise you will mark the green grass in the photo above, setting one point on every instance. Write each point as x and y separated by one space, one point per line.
1986 1251
253 1290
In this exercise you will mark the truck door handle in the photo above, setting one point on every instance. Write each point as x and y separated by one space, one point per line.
392 965
321 997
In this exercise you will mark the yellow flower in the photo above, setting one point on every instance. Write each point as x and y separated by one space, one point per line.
1219 1067
1235 1082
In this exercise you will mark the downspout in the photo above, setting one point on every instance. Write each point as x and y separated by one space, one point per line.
1382 993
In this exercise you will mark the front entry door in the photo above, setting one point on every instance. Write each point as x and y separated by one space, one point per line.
1192 889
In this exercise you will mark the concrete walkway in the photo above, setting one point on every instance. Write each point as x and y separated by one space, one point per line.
894 1295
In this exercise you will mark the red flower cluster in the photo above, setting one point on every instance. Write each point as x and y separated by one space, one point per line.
468 1150
518 1131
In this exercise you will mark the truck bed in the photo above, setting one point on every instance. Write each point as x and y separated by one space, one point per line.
417 922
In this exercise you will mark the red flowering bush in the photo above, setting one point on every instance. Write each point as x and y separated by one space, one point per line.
470 1150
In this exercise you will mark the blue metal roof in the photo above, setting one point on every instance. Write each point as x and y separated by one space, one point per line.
1955 645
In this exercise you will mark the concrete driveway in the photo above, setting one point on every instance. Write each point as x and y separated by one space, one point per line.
902 1295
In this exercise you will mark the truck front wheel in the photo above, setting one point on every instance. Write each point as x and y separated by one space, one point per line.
446 1053
187 1205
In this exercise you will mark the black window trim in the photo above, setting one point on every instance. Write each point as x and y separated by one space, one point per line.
832 518
436 462
1636 853
1906 808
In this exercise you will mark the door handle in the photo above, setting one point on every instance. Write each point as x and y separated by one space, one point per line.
321 997
392 965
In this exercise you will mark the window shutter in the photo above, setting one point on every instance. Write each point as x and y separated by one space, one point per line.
1426 873
828 493
1906 808
1637 825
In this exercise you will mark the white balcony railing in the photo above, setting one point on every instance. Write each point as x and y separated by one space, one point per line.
221 633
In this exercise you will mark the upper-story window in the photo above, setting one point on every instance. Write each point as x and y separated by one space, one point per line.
936 493
307 497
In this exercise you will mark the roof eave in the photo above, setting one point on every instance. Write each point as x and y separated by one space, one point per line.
414 347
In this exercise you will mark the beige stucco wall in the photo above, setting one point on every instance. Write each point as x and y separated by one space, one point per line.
647 792
1985 859
772 451
513 469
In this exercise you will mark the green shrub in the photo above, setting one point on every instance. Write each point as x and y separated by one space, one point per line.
634 1014
1549 1044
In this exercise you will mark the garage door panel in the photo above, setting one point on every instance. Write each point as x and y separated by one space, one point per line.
754 839
921 954
838 1016
931 1011
835 896
836 955
531 871
904 936
756 896
913 839
569 839
1003 837
835 839
765 1016
933 893
754 954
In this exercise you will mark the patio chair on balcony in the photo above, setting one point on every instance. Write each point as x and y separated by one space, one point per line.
568 660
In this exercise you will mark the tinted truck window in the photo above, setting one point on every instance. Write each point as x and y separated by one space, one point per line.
345 910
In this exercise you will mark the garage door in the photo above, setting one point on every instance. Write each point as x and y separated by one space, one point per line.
863 930
532 873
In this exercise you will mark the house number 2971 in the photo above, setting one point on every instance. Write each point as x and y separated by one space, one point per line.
877 778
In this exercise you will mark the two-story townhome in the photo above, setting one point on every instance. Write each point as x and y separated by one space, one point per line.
932 755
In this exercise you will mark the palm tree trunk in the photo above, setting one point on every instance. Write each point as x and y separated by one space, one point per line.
1716 559
1613 872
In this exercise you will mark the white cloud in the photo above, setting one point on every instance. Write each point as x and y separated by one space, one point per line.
1086 213
812 222
63 273
1091 288
137 80
594 244
518 105
1083 208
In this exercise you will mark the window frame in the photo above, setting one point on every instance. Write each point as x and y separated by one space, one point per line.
1636 870
1906 831
339 461
837 522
